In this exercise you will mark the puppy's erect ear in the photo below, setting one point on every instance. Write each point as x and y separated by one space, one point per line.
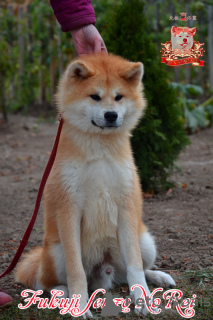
174 29
132 72
193 31
79 69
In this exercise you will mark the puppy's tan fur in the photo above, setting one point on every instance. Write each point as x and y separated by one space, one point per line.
93 197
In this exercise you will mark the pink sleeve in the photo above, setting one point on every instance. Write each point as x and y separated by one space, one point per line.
73 13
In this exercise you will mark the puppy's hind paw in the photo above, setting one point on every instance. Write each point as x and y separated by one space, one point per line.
159 278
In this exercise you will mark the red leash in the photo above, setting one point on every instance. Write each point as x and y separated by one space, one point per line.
26 236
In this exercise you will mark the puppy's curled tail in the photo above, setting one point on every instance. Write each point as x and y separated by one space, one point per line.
27 269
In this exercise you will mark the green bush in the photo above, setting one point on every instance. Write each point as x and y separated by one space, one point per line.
160 135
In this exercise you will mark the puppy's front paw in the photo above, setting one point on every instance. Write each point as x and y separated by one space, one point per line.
141 311
138 289
88 314
81 305
64 289
146 305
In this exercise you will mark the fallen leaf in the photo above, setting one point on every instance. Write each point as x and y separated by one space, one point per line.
179 214
16 144
169 191
25 127
27 158
124 289
184 185
147 195
15 285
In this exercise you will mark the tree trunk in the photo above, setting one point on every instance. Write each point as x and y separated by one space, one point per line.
3 98
210 46
10 46
29 34
52 81
42 87
21 45
188 66
157 18
60 54
176 69
202 77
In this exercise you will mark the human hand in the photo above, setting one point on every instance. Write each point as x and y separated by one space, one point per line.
87 39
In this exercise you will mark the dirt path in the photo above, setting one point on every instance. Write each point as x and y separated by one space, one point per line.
181 220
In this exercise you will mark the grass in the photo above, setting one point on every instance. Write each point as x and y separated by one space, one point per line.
204 274
188 283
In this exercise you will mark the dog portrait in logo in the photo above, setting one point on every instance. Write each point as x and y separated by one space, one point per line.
182 38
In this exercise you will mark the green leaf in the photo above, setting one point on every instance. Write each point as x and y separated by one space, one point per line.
209 109
161 135
192 122
199 114
193 89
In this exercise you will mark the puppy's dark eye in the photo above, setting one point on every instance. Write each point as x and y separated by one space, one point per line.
118 97
95 97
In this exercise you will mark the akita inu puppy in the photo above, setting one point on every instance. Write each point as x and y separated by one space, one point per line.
94 233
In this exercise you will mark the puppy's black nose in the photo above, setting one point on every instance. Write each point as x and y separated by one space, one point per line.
111 116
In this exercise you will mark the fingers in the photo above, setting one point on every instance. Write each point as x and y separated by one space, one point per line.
88 40
99 46
103 48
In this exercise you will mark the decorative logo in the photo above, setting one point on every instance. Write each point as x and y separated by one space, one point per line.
112 307
182 44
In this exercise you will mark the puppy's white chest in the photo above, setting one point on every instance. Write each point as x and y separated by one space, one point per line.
98 186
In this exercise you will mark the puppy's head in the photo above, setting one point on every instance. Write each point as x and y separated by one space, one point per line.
102 94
